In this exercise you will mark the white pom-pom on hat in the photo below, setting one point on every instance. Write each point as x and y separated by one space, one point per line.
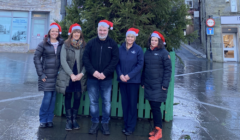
105 23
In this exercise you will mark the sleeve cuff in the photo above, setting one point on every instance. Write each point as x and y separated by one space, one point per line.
43 76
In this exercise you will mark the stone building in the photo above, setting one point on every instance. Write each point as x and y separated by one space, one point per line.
23 23
194 8
225 43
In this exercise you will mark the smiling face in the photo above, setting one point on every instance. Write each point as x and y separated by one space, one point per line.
102 32
76 35
154 41
130 39
54 33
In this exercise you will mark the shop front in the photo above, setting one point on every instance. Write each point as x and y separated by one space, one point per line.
230 38
22 31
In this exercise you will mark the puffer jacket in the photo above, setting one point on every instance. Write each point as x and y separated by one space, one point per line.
156 74
47 64
63 78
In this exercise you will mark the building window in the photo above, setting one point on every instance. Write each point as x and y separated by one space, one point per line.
13 26
189 3
233 6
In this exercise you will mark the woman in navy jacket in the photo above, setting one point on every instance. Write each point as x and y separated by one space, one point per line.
129 77
155 79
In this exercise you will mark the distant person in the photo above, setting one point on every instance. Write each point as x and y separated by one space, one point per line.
129 76
72 74
100 60
155 79
47 63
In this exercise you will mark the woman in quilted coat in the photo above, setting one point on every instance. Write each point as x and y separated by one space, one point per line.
47 63
155 79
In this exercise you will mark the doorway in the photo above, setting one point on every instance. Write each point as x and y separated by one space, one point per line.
38 29
229 47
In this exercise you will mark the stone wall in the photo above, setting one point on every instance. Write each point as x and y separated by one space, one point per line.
14 47
52 6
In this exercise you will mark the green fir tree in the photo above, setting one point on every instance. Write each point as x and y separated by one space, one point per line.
165 16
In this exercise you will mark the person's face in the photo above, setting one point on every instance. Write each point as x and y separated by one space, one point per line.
102 32
130 39
154 41
76 35
54 33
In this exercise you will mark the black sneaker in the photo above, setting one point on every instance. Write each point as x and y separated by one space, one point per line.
93 129
50 124
43 125
105 129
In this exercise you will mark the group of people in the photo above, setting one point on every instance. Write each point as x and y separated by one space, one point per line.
73 66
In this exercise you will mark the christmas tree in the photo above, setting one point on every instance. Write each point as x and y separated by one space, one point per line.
165 16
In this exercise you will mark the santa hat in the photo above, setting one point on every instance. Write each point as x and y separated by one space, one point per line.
158 35
73 27
105 23
55 25
133 31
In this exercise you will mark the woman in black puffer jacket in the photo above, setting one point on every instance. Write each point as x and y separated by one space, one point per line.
47 63
155 79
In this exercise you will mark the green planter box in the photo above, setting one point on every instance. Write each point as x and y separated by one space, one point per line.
116 107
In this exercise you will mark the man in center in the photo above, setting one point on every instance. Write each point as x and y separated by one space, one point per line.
100 59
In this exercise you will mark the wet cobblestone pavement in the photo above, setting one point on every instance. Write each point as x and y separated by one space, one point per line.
207 96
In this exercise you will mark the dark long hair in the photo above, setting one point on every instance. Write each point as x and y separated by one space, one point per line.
160 43
48 36
68 41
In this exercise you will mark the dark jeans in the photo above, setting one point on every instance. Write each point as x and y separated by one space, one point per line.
46 112
76 103
129 94
157 115
95 88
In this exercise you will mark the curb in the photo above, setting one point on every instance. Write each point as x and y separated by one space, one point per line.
191 49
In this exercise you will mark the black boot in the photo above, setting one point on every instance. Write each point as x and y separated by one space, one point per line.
105 129
69 120
74 116
50 124
93 129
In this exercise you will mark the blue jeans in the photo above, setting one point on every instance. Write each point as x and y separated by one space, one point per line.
96 87
46 112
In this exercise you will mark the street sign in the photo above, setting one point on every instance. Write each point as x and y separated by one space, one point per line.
210 31
210 22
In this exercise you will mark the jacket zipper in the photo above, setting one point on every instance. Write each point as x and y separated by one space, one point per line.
100 57
55 53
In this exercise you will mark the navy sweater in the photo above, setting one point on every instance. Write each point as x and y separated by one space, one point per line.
130 63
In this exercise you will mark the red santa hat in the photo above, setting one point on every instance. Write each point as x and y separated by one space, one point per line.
73 27
105 23
133 31
55 25
158 35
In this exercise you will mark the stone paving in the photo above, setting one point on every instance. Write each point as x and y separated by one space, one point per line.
206 101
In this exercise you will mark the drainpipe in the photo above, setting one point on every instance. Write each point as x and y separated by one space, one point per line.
29 28
204 4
